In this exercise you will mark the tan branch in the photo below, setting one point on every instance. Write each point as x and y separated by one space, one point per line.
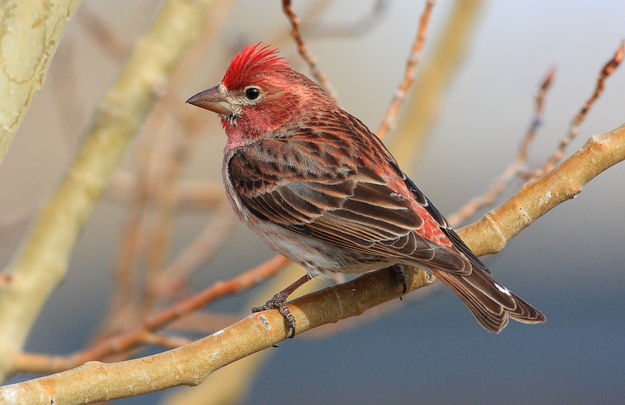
491 233
409 71
38 363
303 50
437 71
29 34
42 263
190 364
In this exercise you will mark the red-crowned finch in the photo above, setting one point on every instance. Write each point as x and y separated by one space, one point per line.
321 189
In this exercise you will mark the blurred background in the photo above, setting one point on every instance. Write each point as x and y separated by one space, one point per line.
428 349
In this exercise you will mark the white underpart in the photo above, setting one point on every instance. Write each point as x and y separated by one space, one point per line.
502 289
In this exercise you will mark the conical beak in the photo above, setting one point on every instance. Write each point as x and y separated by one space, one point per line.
213 99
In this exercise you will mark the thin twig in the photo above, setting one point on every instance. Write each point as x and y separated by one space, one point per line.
190 194
303 50
5 279
409 71
517 166
37 363
200 251
361 26
579 118
106 38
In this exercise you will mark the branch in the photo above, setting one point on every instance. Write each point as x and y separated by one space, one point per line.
303 49
38 363
409 71
190 364
579 118
30 32
42 263
515 168
490 233
436 72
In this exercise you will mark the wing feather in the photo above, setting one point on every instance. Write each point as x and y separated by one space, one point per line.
344 203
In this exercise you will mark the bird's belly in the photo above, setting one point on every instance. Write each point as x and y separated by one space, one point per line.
316 256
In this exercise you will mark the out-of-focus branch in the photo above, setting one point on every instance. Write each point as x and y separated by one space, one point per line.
411 65
363 25
437 71
579 118
516 167
102 33
31 31
303 50
190 364
205 246
190 194
42 263
37 363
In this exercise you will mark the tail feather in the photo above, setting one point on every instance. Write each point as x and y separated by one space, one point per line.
491 303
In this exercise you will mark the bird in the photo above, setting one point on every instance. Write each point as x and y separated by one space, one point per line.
322 190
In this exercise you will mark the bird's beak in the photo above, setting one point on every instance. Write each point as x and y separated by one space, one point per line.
214 99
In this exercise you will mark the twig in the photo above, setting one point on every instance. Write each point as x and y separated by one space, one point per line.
361 26
5 279
409 71
190 194
303 50
517 166
491 233
37 363
579 118
42 263
11 221
204 247
100 31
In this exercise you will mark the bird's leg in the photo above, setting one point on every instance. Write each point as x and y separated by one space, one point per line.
402 277
278 302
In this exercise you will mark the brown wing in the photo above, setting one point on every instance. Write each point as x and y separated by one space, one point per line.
299 183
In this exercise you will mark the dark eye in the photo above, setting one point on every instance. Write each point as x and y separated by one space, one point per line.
252 93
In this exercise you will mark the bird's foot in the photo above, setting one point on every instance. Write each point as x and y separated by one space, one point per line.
402 277
278 302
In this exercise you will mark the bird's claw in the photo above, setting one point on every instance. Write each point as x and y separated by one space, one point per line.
401 275
278 302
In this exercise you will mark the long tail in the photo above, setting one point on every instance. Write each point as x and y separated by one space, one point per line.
491 303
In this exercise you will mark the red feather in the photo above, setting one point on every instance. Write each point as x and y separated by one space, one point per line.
251 62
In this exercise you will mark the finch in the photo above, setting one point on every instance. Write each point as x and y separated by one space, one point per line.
321 189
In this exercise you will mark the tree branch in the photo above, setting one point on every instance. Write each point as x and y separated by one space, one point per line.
190 364
42 263
29 34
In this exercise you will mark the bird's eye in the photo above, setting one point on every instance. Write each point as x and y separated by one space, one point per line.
252 93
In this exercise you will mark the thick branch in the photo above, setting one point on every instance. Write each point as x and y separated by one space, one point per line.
491 233
29 34
42 263
190 364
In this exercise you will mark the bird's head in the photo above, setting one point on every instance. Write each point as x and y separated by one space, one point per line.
259 94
